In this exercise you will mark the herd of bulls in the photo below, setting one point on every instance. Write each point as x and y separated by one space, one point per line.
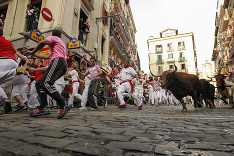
182 84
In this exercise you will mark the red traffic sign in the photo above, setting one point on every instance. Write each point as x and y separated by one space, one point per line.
47 15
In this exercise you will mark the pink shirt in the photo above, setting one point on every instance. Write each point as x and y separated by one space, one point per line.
57 47
93 71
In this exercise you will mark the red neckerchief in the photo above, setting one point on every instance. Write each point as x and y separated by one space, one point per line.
128 66
22 62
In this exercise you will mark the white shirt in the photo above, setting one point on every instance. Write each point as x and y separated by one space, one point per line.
150 87
127 74
117 81
74 75
138 84
19 59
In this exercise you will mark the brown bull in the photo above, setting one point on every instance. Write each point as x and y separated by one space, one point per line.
225 88
182 84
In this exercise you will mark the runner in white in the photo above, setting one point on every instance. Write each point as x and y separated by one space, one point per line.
151 94
75 86
84 100
126 76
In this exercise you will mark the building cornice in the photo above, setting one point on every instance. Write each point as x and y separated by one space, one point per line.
169 38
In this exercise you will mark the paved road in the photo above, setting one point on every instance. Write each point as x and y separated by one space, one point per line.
154 130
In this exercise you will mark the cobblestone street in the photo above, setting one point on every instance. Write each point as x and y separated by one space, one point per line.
154 130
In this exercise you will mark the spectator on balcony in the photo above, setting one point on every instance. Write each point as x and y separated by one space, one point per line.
81 27
29 17
36 14
2 21
86 31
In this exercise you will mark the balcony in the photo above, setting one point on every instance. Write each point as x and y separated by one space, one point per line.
159 50
181 48
182 59
170 50
118 44
159 61
171 60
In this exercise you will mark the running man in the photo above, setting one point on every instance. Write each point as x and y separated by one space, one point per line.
56 69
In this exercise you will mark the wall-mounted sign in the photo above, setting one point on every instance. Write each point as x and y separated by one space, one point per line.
76 12
73 40
46 14
36 36
74 44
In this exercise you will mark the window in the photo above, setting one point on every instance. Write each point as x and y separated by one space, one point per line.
3 11
181 45
183 68
83 25
171 67
170 56
169 46
160 69
159 57
33 14
158 48
181 54
105 13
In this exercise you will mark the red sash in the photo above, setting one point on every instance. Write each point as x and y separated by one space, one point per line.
132 87
70 88
29 83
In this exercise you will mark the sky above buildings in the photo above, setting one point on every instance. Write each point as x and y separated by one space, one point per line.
153 16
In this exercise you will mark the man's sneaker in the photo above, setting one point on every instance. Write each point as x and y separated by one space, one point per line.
46 111
140 107
21 108
93 109
105 105
129 96
63 112
122 106
20 70
53 107
82 108
37 112
7 107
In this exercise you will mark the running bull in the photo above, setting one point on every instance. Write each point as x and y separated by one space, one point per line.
181 85
209 90
225 88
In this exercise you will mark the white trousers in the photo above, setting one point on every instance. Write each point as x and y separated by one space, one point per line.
75 87
25 93
33 99
7 70
85 96
17 83
59 88
151 97
157 96
3 96
127 87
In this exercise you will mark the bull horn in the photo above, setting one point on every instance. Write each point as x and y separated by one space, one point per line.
158 76
227 75
173 72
